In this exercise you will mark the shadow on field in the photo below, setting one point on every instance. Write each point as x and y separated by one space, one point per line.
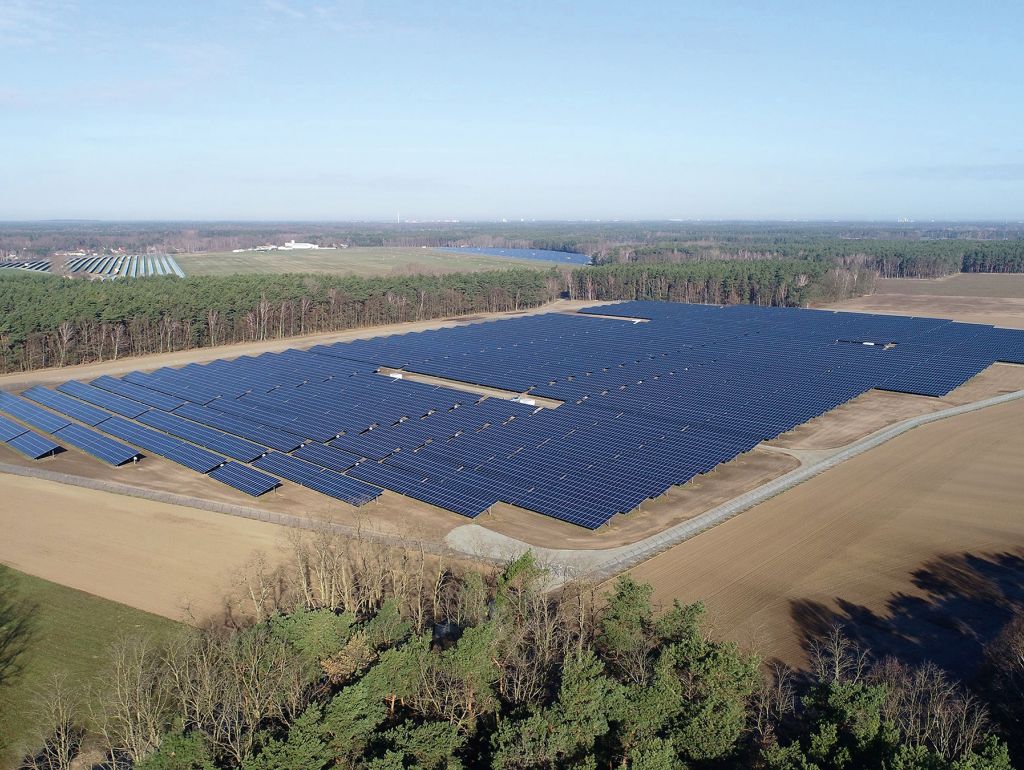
966 600
17 628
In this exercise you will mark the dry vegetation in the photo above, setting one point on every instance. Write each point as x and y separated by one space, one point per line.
355 260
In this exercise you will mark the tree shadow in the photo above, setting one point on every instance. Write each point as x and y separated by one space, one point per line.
965 601
17 628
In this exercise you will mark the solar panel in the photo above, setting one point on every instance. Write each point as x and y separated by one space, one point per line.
138 393
96 444
33 446
159 443
35 416
645 405
9 429
103 398
443 493
232 446
250 481
314 477
327 457
240 426
72 407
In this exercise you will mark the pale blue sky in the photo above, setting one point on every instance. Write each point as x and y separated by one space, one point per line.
485 109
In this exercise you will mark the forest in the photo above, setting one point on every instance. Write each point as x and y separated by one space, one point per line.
888 258
360 655
49 321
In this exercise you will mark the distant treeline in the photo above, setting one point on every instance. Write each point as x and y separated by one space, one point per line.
889 258
604 241
49 321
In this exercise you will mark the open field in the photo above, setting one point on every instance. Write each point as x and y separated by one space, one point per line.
848 542
999 285
355 260
988 298
71 632
166 559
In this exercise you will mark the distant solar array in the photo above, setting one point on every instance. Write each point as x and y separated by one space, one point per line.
134 266
37 266
645 406
545 255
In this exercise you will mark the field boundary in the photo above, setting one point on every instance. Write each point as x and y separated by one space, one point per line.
230 509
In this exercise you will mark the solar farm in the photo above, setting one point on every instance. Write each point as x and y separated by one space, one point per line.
34 266
133 266
638 397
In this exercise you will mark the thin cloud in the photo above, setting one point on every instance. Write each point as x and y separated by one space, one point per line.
30 23
280 7
968 172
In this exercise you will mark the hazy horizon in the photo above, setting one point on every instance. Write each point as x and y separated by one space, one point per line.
295 111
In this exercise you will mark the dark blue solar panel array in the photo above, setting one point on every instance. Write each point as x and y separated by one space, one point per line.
71 407
232 446
30 414
10 429
160 443
245 479
32 445
137 392
314 477
96 444
645 405
103 398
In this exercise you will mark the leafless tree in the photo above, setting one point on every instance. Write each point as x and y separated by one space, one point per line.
56 715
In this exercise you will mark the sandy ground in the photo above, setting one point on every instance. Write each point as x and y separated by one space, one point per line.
1005 285
856 533
996 299
165 559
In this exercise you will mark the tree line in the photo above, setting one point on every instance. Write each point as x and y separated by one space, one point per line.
889 258
360 655
48 321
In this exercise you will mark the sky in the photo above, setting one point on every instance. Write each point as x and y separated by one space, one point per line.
491 109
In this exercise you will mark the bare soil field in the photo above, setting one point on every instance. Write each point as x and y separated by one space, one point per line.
852 543
987 298
354 260
165 559
1005 285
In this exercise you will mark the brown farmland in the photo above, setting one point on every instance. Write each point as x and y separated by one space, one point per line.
856 533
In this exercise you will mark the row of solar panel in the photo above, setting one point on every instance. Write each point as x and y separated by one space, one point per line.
739 376
133 266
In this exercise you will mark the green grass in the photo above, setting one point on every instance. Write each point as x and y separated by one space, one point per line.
355 260
72 632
